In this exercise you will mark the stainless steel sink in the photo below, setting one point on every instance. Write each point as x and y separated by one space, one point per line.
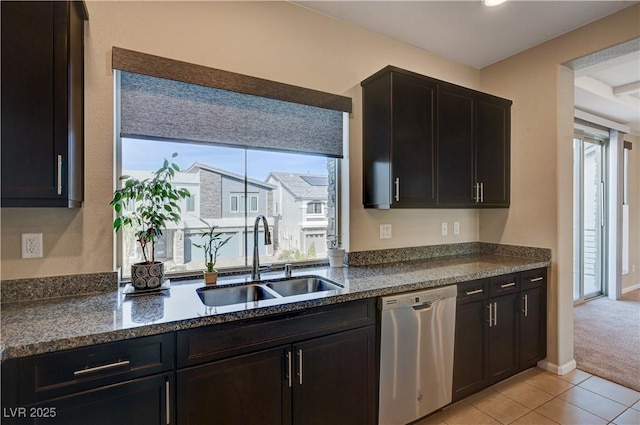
220 295
301 285
273 289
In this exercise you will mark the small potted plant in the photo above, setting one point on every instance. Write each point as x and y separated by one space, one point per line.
213 241
335 253
147 206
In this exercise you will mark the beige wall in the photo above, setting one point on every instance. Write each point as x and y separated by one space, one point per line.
632 279
277 41
541 176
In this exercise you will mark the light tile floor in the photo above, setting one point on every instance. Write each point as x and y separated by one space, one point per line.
537 397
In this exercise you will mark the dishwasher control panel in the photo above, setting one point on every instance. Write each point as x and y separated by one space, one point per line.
408 299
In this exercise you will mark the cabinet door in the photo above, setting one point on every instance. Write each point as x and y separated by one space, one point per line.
28 85
470 351
412 145
454 152
335 380
248 389
145 401
532 327
503 343
42 103
492 129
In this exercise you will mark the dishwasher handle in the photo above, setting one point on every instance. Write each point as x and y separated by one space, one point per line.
424 306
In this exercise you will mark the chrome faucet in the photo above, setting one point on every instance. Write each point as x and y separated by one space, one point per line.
255 269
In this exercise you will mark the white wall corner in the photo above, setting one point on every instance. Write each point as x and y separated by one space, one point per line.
557 369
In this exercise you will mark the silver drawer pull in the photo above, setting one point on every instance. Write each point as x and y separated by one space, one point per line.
475 291
289 374
99 368
300 365
536 279
59 182
508 285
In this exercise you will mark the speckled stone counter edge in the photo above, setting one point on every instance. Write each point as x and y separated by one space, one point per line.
57 286
382 256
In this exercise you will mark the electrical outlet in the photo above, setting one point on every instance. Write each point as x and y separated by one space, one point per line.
456 227
385 231
32 245
445 228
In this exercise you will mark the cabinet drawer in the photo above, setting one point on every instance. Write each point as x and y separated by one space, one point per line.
533 278
51 375
196 346
506 284
472 291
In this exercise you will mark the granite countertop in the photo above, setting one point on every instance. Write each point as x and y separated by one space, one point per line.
46 325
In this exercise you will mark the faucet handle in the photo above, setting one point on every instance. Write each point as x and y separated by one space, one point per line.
287 270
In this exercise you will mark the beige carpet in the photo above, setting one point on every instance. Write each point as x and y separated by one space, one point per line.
607 338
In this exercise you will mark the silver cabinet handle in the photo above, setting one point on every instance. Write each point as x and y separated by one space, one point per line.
495 314
477 189
300 366
490 307
99 368
59 174
168 401
481 193
397 185
289 374
526 305
508 285
536 279
475 291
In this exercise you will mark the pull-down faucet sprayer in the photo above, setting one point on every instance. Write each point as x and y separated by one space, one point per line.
255 269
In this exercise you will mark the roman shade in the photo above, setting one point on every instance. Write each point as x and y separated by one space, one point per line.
172 100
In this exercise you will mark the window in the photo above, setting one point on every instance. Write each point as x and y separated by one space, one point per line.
240 164
238 203
225 181
191 203
314 208
625 207
235 203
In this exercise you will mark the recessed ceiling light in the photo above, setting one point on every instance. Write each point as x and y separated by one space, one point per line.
491 3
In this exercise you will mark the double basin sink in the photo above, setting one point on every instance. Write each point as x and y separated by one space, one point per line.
273 289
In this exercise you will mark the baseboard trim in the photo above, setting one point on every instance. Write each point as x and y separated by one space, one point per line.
631 288
557 369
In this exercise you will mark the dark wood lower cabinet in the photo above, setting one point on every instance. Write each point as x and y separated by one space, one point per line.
500 329
469 370
248 389
326 380
533 317
335 379
503 339
144 401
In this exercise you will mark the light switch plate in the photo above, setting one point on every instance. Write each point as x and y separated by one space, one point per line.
385 231
456 227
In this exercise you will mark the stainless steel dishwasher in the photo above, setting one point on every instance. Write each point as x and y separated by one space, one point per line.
416 354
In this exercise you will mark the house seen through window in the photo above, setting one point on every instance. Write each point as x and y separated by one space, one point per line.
229 187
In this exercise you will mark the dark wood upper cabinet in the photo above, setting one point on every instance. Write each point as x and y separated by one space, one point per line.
455 146
492 121
399 130
42 103
428 143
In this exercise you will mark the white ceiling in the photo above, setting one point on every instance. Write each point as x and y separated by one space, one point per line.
470 33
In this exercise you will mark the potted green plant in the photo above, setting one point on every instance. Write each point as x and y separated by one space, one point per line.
213 241
147 206
334 251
